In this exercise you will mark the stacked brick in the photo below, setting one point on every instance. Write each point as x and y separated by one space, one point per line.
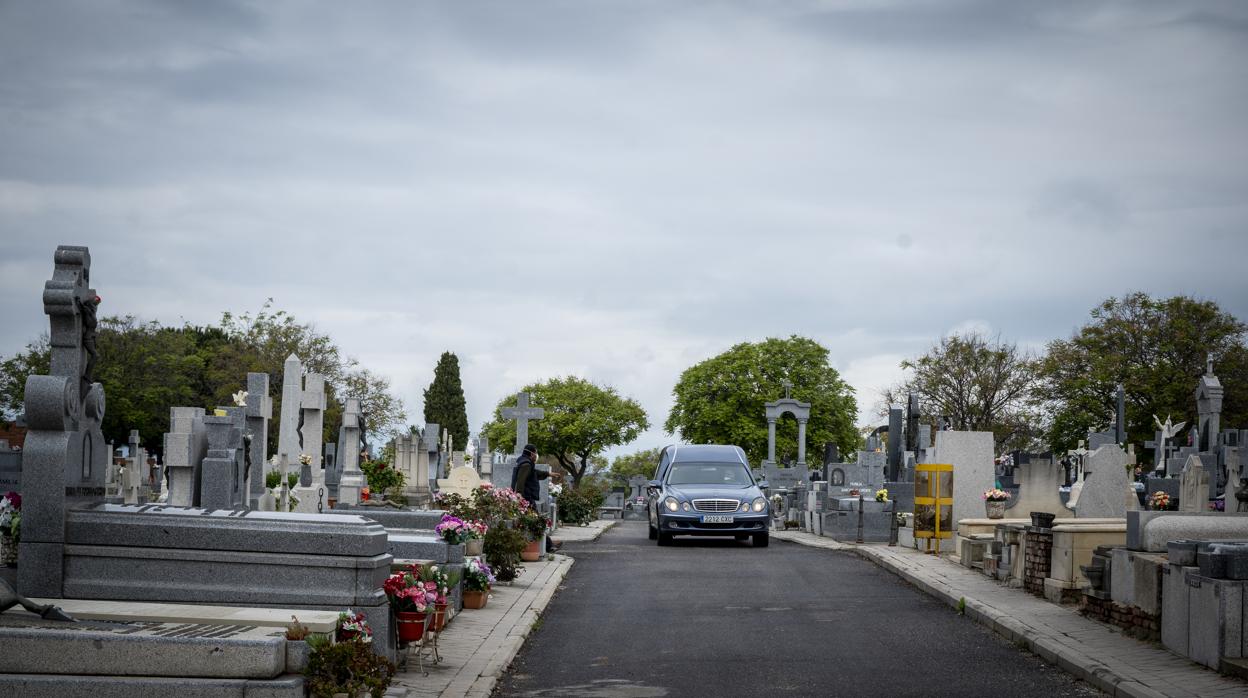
1037 559
1133 621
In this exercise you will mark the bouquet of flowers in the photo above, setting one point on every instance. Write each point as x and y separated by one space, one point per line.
408 594
353 626
881 495
453 530
478 576
305 459
477 529
533 524
11 515
1160 500
996 495
436 581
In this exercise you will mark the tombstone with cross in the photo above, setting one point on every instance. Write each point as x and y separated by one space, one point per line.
521 413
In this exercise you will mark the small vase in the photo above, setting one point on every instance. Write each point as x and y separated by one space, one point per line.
473 546
411 625
532 552
995 510
475 599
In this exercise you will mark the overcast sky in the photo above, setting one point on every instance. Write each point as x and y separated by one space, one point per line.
618 190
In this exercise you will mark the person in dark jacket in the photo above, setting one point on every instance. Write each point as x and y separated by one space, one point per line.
526 479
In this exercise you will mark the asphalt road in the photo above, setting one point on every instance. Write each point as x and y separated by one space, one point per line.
712 617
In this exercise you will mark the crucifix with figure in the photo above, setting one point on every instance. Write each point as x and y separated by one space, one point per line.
522 413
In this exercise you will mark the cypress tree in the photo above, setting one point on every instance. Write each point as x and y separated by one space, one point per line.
444 400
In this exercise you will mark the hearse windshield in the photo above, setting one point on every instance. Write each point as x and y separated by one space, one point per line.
724 474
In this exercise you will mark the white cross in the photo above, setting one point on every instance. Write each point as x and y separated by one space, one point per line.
522 413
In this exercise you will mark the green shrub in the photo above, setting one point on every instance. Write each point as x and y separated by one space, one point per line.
579 505
502 548
272 479
347 667
292 480
381 477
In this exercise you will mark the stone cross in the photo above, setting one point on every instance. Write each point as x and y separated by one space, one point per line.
522 413
135 465
66 456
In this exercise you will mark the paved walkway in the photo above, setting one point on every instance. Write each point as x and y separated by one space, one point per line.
1092 651
477 646
589 532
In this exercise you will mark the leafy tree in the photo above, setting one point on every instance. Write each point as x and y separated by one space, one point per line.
147 368
1157 349
444 400
641 463
582 420
981 384
720 400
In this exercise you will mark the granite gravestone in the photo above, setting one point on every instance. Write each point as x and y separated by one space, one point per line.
292 401
1194 486
971 455
185 447
462 481
1039 477
258 412
332 472
221 473
1105 484
65 455
352 480
136 463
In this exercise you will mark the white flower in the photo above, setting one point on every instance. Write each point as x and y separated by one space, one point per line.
240 398
275 460
305 459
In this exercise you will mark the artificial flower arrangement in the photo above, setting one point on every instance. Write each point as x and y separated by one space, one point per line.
1160 500
11 515
353 626
453 530
305 459
881 495
408 594
996 495
478 576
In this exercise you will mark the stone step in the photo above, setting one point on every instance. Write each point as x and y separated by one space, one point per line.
415 545
86 686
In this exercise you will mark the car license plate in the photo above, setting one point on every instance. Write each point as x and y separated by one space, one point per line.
716 519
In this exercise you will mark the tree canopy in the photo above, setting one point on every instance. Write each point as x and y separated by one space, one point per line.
444 400
146 368
582 420
1157 349
641 463
981 384
721 400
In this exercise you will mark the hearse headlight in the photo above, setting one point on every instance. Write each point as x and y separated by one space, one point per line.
684 506
745 506
760 504
671 504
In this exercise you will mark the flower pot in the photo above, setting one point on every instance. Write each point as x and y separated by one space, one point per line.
1042 519
411 626
439 618
297 652
474 546
475 599
995 510
532 552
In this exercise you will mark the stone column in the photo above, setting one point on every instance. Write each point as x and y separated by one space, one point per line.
771 441
801 441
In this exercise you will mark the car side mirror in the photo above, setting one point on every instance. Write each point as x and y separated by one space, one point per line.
762 484
654 485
